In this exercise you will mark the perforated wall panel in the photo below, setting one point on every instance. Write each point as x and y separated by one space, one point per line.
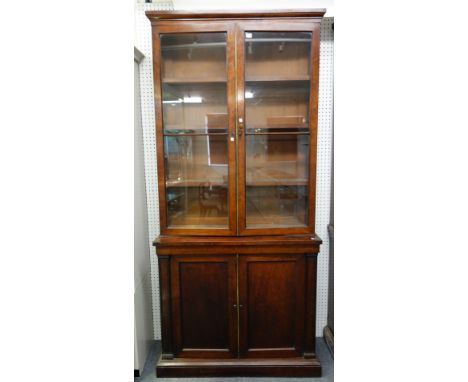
324 160
143 42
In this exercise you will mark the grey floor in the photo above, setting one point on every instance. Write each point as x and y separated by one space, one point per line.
324 355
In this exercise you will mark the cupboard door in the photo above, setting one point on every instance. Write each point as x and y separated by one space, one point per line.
196 167
271 298
277 88
204 297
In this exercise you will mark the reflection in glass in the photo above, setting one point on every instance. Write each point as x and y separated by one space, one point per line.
277 159
277 102
196 181
277 168
276 206
192 57
277 55
277 106
277 76
195 126
194 108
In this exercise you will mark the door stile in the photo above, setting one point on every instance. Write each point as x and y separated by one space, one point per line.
269 26
240 123
192 27
232 144
313 122
238 306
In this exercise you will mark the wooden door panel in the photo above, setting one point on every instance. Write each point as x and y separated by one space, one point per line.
272 297
204 293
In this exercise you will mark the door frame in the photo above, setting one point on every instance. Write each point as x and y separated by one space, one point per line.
177 334
283 25
168 27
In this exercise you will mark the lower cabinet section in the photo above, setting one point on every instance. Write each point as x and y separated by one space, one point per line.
238 314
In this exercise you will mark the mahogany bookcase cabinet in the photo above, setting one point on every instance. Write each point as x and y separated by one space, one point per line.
236 98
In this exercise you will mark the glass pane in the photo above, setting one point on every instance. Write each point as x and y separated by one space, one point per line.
189 108
277 87
277 75
277 167
192 57
276 207
277 107
194 82
195 126
196 181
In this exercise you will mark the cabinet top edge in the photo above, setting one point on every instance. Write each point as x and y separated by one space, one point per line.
162 241
234 14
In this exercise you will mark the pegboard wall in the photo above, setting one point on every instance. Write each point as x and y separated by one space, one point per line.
324 154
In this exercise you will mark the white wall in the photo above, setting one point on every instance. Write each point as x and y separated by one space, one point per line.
142 268
255 4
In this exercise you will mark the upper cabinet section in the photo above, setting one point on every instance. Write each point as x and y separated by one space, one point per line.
236 98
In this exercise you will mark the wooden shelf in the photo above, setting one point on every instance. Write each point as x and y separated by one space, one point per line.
253 221
223 44
263 130
273 221
194 80
199 222
196 183
276 182
207 80
274 78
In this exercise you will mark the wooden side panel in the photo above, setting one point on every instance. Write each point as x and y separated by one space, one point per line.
272 313
203 296
165 294
311 302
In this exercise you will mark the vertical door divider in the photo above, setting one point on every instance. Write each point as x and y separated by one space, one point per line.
238 304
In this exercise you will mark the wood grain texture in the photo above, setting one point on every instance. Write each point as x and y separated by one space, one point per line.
234 14
203 294
236 301
311 302
270 367
272 294
165 305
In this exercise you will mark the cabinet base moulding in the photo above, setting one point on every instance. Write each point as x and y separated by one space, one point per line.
271 367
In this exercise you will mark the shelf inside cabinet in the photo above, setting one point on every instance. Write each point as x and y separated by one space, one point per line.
274 221
276 182
277 130
276 78
205 182
198 222
194 80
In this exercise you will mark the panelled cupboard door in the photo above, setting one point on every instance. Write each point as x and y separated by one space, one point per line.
204 298
272 301
277 96
195 127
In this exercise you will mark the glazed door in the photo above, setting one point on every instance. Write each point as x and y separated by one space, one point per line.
272 303
195 127
277 101
204 301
